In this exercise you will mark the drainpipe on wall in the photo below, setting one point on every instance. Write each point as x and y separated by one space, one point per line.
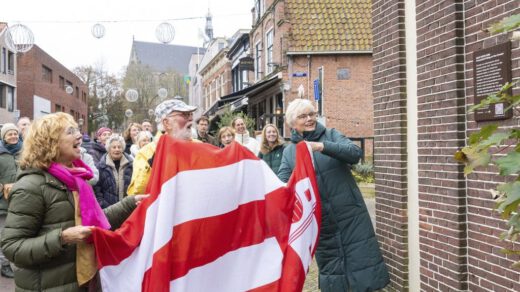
414 280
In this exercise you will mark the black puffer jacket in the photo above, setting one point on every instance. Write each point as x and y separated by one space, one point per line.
113 185
348 254
97 150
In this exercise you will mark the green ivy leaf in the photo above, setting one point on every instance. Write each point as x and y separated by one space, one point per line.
483 134
495 139
506 24
509 164
512 193
476 157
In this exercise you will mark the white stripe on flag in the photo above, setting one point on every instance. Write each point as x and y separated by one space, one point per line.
201 197
259 265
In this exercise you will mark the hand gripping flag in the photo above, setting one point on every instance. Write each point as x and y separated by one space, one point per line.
216 220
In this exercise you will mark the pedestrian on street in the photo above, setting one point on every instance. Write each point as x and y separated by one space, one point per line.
130 135
242 135
23 125
147 126
46 227
202 131
88 160
115 169
143 138
97 148
226 135
175 118
10 150
272 146
348 254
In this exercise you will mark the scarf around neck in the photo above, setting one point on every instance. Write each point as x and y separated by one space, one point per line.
13 148
76 180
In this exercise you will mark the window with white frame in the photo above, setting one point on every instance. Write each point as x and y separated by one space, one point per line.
222 86
258 60
269 51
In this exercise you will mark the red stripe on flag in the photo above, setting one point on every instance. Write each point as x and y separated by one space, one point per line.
199 242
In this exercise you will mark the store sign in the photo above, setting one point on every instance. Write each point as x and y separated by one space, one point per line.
246 64
491 70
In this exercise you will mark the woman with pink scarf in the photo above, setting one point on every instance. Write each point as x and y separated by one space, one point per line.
52 209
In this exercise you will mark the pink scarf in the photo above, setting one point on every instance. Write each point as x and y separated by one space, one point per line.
76 180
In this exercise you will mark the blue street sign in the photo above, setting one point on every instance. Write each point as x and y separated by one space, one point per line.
316 89
299 74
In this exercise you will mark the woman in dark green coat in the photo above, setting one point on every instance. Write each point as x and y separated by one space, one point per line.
348 254
46 228
272 146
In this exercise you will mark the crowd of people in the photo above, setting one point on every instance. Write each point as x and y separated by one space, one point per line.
49 172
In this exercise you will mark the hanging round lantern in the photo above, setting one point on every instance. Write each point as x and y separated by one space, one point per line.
101 93
98 30
69 89
151 112
131 95
165 32
100 106
129 113
19 38
162 92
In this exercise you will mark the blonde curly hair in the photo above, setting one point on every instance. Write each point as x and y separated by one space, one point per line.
41 145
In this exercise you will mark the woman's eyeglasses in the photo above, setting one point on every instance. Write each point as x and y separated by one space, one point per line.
311 115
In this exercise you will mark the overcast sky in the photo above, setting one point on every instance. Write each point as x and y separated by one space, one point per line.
63 28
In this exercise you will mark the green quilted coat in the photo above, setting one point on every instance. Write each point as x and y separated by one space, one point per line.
348 254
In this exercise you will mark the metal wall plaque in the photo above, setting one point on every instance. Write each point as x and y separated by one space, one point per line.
491 70
343 74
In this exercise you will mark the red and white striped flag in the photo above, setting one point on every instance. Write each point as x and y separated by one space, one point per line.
216 220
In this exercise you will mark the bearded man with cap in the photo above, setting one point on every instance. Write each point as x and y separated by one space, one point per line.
174 118
10 150
97 149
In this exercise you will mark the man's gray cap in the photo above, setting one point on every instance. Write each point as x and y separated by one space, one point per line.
171 105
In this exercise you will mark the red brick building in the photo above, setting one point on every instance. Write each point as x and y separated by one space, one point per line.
299 43
41 87
215 71
437 228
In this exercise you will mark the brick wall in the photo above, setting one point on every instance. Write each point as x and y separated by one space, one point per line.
441 127
488 268
347 104
30 83
389 90
459 249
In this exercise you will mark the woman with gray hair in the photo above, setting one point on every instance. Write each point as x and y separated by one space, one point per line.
348 254
115 171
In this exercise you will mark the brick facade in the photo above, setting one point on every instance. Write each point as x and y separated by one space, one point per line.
389 90
296 51
459 245
31 83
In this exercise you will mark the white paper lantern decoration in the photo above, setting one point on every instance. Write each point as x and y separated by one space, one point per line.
165 32
162 92
131 95
19 38
129 113
69 89
101 93
98 30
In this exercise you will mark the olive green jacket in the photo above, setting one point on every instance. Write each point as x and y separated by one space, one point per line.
40 208
8 169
